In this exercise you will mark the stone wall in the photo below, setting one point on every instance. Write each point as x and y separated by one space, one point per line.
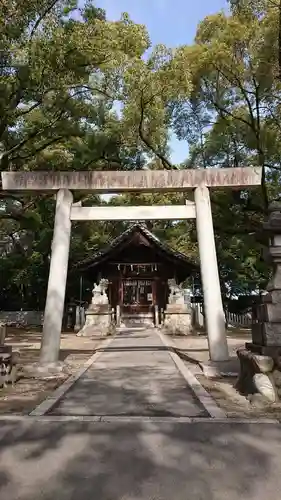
23 318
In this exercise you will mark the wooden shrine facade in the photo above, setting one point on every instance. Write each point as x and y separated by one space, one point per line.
138 266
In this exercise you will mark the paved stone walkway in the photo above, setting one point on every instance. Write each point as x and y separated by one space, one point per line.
134 376
60 457
81 460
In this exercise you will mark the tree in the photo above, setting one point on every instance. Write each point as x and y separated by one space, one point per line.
234 65
149 86
233 119
60 78
78 94
53 66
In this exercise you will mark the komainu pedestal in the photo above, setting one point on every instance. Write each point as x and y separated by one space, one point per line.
98 315
178 314
260 361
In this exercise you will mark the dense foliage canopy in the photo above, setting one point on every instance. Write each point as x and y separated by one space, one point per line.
78 91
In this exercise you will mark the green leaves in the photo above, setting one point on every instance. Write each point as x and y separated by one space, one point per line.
80 92
56 66
149 87
61 82
232 118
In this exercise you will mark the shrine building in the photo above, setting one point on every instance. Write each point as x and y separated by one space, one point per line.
137 267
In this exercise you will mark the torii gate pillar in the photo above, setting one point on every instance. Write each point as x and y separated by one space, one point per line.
50 346
210 276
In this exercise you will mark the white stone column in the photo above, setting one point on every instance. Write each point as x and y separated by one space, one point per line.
215 320
118 315
57 279
77 325
156 312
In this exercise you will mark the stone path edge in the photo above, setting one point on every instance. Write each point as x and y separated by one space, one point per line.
53 399
135 419
217 415
204 397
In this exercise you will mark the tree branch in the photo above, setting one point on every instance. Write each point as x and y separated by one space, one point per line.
37 150
166 163
42 16
32 135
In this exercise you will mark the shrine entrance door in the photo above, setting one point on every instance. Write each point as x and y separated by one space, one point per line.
137 295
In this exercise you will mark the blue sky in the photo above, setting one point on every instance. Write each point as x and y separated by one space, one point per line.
171 22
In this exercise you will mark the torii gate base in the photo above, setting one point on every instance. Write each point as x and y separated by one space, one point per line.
198 180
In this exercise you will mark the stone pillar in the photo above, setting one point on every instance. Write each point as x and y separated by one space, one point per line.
215 320
199 319
3 332
118 317
57 279
82 316
78 324
156 312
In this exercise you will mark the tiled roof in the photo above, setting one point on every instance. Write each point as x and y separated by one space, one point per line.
106 253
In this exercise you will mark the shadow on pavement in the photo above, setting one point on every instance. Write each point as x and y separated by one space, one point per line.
79 460
46 460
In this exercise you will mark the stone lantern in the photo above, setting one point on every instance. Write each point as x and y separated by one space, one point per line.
266 330
260 360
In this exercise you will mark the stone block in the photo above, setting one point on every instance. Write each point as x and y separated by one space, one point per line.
267 334
98 309
177 309
257 333
273 351
278 361
272 334
264 363
245 384
178 323
276 375
211 370
273 297
258 362
265 386
97 323
269 313
275 282
259 374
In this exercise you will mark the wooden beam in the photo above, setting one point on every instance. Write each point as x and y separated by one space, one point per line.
132 181
156 212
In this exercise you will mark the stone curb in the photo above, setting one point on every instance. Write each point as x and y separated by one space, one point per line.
49 402
204 397
135 419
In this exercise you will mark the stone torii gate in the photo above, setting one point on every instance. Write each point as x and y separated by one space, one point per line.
104 182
